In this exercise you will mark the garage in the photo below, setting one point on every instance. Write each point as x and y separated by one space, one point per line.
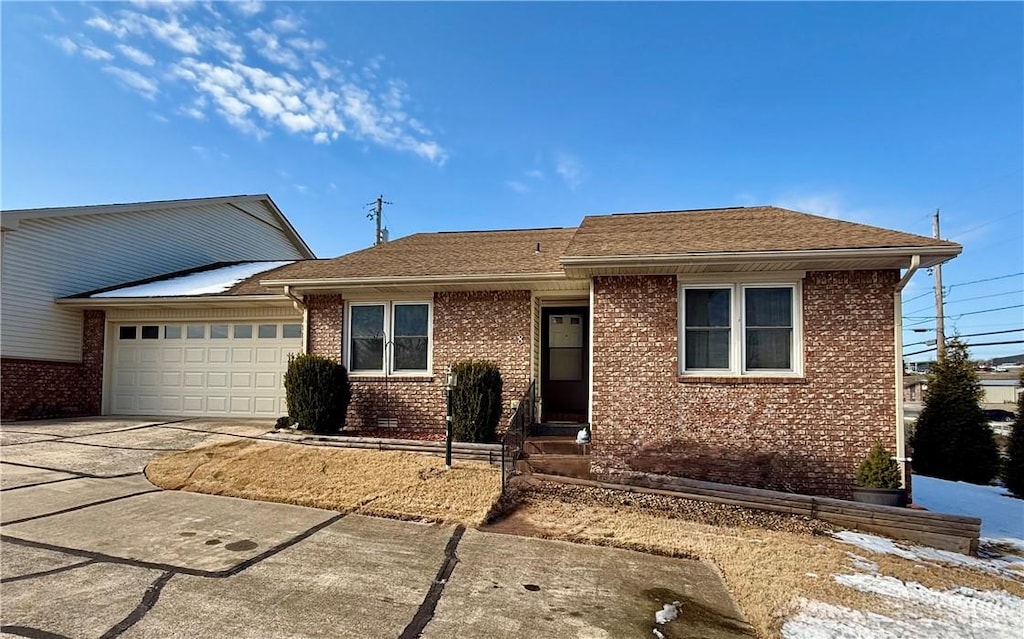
229 368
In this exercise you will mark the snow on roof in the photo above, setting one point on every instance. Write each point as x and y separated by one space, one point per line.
218 280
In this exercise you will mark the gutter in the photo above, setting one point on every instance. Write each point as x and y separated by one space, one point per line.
947 251
901 435
114 302
357 282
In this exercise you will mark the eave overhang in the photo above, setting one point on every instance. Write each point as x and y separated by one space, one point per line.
804 260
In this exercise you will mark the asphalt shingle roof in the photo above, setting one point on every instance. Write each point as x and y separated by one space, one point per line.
743 229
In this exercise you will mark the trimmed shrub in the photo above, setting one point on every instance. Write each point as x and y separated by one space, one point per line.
1013 473
318 393
476 401
952 439
284 423
879 470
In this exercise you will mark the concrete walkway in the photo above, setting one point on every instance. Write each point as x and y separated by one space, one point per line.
91 549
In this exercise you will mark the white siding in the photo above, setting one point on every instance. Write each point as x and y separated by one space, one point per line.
46 258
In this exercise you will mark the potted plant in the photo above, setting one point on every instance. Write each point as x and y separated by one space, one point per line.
878 480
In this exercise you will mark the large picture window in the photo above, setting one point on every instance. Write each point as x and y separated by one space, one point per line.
740 329
389 337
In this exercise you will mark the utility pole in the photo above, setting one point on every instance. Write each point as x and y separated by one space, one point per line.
376 213
940 328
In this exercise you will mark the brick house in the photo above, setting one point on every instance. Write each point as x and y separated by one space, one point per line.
755 345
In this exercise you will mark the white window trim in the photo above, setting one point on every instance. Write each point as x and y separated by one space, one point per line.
737 328
389 351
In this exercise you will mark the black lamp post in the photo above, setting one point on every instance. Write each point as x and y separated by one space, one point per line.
450 382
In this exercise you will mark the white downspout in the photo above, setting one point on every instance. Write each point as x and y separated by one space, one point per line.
300 306
901 443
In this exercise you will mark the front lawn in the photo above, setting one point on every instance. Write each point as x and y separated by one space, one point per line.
382 483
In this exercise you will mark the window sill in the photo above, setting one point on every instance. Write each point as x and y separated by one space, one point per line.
736 380
359 377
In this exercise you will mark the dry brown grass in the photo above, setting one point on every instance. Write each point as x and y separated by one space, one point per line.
766 570
383 483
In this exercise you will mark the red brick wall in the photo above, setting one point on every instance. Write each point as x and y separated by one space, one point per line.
37 389
806 435
492 325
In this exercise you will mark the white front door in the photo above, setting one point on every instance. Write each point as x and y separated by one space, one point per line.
217 368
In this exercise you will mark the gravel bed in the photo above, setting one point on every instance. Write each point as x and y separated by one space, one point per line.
670 507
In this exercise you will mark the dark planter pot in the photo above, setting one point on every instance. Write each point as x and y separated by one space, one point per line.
880 496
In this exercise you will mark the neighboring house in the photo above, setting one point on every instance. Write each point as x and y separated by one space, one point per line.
53 355
997 389
756 346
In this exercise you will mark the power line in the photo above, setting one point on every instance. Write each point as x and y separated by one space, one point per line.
969 299
978 227
987 310
951 286
928 350
931 341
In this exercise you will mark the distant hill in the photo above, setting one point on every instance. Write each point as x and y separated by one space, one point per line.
1009 359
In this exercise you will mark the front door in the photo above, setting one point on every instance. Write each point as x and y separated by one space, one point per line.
564 367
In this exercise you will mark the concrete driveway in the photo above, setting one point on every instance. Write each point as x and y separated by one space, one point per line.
91 549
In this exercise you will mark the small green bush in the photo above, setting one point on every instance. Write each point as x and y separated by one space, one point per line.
476 401
318 393
879 470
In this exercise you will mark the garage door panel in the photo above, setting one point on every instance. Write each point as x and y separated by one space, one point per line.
202 372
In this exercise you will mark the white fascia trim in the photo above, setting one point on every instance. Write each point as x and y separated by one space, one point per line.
756 256
204 300
413 280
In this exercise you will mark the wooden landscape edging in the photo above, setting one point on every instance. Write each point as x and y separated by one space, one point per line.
490 453
946 532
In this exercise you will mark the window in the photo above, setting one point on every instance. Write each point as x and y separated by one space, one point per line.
267 331
243 331
195 331
172 332
126 332
150 332
391 337
219 331
740 329
291 331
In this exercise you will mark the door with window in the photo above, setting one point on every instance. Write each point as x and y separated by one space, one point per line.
231 368
564 364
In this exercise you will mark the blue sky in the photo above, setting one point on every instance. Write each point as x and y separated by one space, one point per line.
471 116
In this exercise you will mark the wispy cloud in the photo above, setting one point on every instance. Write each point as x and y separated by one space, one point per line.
517 186
826 203
536 174
568 168
136 56
134 80
260 71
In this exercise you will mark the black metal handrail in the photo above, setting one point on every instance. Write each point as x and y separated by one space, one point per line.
519 427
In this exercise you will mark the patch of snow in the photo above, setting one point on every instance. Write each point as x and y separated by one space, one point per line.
811 574
657 633
917 611
862 563
667 613
217 280
1001 516
874 543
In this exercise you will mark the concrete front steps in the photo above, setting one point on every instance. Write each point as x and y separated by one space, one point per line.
553 450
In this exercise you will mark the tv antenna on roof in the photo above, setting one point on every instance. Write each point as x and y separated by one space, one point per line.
375 213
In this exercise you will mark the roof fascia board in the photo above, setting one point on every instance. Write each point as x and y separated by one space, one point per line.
756 256
192 300
289 229
417 280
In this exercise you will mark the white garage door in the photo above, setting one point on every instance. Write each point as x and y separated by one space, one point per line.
223 368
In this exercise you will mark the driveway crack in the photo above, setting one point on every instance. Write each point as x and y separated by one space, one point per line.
149 599
47 573
426 610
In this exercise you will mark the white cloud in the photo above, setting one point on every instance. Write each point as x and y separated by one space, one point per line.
517 186
302 89
248 8
569 169
96 53
136 56
65 43
146 87
270 47
536 174
826 204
